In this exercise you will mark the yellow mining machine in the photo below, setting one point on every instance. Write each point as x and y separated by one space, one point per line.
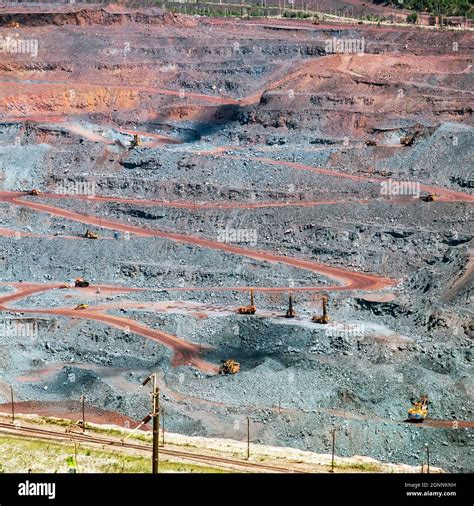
34 192
78 283
324 318
81 283
135 142
249 309
81 306
290 313
229 366
431 197
90 235
419 411
409 138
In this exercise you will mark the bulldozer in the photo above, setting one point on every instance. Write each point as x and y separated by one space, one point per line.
90 235
34 192
81 306
290 313
81 283
324 318
431 197
249 309
135 142
419 411
229 366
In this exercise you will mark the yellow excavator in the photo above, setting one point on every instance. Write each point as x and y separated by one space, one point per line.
90 235
431 197
81 306
324 318
135 142
249 309
290 313
81 283
419 411
229 366
78 283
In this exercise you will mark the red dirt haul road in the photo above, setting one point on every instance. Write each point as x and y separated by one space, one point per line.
186 352
350 280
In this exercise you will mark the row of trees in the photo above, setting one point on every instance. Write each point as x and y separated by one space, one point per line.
438 7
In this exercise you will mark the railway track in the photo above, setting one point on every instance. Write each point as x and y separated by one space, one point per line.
37 433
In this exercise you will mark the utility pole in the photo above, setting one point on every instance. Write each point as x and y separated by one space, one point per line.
163 424
156 425
83 400
333 449
75 455
427 459
13 404
155 416
248 438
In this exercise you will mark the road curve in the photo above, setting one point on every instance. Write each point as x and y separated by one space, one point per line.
349 280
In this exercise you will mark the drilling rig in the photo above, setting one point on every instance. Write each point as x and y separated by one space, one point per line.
135 142
290 313
249 309
324 318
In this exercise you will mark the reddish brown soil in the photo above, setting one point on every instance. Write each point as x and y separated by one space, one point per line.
71 410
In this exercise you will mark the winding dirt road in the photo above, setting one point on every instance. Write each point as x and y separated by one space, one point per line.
185 352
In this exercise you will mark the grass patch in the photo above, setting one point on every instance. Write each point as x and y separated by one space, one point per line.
367 467
18 454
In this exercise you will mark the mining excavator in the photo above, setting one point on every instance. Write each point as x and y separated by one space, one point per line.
290 313
78 283
81 283
431 197
419 411
135 142
229 366
249 309
90 235
34 192
324 318
81 306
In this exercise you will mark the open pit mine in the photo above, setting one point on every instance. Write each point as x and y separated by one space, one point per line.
274 216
